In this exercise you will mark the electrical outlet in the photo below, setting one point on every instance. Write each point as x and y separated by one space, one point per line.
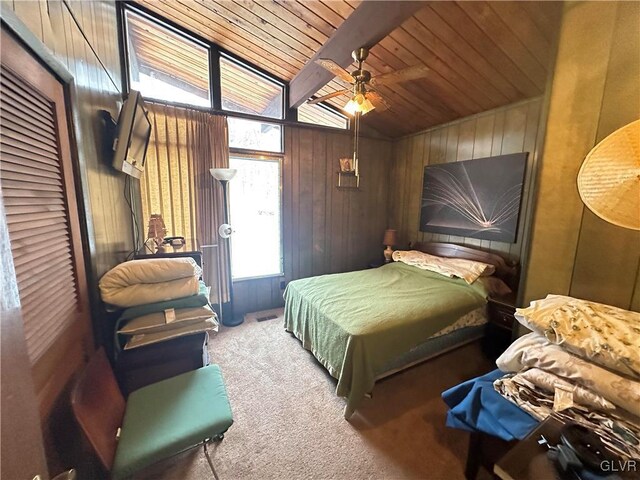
283 284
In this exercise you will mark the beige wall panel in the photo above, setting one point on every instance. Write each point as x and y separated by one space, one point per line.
572 124
608 256
635 300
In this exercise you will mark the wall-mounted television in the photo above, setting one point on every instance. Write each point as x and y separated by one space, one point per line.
474 198
132 137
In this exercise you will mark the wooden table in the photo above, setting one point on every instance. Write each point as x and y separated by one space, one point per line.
528 460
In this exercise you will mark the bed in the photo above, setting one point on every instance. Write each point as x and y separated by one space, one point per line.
362 326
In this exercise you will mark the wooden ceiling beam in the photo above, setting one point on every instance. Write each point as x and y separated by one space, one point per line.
369 23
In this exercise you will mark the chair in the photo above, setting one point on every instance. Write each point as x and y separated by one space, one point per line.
156 422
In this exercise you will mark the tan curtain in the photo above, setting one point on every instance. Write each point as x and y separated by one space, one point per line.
177 184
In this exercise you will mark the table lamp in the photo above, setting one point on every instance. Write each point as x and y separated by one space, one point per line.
156 231
390 239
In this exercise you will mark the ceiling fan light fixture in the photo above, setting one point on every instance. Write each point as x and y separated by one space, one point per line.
351 107
366 106
358 104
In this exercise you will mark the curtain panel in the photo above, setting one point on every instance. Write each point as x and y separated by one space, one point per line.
176 183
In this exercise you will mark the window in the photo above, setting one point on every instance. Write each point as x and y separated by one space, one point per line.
256 217
246 91
255 135
164 65
321 115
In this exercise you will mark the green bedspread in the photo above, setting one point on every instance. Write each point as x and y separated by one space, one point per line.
355 323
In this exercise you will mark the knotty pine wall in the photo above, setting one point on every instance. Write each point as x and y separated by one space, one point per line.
595 91
510 129
326 229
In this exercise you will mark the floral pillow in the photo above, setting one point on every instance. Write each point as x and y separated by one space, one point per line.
603 334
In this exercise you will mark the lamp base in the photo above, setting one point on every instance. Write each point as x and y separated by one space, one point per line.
233 321
388 252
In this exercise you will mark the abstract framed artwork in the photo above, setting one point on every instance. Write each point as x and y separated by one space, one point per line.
474 198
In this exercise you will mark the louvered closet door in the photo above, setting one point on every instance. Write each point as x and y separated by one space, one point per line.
37 182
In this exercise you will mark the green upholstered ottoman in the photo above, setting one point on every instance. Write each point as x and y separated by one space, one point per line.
171 416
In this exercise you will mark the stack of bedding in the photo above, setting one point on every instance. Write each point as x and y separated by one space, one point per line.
581 363
163 299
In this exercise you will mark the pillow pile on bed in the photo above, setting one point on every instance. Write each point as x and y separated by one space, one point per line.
468 270
581 361
163 297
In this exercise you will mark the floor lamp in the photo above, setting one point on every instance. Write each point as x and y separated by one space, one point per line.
224 175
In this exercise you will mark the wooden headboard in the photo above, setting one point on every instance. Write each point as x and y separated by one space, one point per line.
505 269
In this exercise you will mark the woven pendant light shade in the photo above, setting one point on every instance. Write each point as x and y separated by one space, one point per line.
609 179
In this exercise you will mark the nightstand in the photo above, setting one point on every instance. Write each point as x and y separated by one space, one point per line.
501 311
499 331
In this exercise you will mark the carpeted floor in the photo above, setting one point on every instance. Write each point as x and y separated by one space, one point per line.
289 423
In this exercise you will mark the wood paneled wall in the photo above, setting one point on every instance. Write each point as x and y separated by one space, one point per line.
326 229
595 91
510 129
83 37
89 50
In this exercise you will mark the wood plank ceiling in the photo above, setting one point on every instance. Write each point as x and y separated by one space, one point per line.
481 54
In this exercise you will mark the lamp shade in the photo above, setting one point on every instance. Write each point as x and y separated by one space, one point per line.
609 179
223 174
359 103
156 228
390 237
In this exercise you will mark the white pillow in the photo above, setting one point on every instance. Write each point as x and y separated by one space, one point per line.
603 334
469 270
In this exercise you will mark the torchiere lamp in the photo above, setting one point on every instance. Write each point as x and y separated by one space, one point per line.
224 175
390 239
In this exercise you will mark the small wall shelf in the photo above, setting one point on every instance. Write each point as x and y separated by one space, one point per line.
348 180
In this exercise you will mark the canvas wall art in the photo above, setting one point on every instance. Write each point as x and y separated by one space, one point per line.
475 198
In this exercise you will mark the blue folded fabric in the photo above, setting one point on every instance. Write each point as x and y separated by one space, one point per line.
475 406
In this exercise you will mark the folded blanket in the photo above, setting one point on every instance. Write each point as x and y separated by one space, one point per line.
534 351
189 329
619 432
147 281
602 334
167 320
550 382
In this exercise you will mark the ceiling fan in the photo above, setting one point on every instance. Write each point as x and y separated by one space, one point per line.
364 97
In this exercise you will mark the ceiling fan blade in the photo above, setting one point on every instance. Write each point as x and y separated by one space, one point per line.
404 75
327 97
378 101
336 69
